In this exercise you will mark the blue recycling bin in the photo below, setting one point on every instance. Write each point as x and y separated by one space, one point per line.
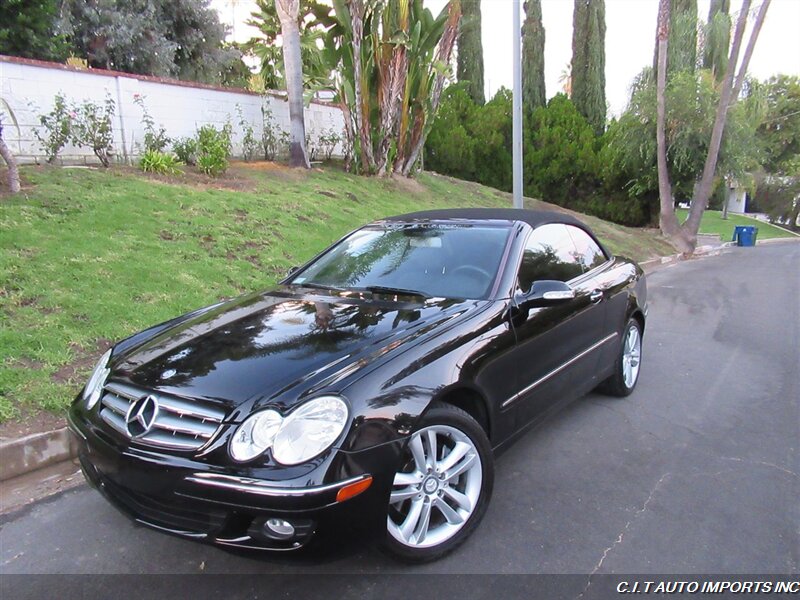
745 235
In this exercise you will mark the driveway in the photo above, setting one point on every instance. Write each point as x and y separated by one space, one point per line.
696 472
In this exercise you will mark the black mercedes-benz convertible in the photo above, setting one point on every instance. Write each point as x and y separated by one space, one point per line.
367 392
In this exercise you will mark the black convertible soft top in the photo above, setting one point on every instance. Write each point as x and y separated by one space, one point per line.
534 218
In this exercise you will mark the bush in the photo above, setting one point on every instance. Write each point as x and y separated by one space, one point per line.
328 140
153 161
92 128
250 145
56 125
186 150
213 149
269 136
155 138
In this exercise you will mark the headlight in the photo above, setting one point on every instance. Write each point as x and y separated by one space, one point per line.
94 387
304 434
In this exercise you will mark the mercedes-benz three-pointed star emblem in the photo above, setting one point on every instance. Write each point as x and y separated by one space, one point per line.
141 416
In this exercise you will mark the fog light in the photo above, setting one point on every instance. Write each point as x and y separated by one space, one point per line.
279 529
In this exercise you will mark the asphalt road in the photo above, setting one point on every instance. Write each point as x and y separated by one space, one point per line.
696 472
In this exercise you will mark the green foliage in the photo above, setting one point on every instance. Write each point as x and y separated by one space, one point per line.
54 128
560 162
155 138
533 36
269 133
779 133
779 197
472 142
153 161
167 38
589 61
470 50
314 20
682 44
186 150
28 29
213 149
717 38
92 127
250 145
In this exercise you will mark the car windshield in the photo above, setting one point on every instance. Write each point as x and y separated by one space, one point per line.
436 260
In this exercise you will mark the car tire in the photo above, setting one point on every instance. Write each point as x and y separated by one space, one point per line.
628 363
436 504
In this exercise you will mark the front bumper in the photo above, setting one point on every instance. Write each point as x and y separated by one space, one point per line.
195 500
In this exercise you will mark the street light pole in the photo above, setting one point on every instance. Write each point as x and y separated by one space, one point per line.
516 138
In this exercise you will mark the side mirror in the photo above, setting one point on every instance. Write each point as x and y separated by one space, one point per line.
546 292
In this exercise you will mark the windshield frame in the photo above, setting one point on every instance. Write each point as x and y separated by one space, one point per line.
390 225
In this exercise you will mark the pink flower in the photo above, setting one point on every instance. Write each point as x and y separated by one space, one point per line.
73 115
136 96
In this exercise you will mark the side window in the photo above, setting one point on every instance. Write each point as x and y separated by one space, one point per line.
589 253
549 253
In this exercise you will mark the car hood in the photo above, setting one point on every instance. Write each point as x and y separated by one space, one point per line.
279 345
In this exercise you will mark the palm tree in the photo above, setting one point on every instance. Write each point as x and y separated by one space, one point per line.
288 13
5 151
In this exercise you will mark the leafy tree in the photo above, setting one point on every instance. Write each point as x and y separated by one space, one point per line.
533 86
717 38
589 61
313 20
27 29
167 38
682 49
779 133
470 50
450 147
560 159
491 128
779 197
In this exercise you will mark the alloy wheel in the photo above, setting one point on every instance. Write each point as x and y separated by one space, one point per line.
437 490
631 356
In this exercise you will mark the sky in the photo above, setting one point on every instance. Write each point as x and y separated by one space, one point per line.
630 35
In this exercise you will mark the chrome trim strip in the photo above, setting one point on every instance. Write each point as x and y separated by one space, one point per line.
181 532
262 488
558 369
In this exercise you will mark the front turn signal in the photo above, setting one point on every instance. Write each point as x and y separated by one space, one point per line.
353 489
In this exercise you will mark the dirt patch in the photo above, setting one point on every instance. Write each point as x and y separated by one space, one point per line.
327 193
26 363
191 176
84 360
303 219
352 197
29 423
408 184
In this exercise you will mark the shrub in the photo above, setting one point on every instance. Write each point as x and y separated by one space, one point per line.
250 145
155 138
213 149
186 150
153 161
328 140
56 125
269 136
92 128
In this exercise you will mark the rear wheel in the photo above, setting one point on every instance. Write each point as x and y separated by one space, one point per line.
442 488
626 369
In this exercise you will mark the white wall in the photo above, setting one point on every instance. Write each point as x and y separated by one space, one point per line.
180 107
737 200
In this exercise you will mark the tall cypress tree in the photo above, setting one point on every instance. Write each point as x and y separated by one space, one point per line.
682 44
589 61
718 38
470 49
533 86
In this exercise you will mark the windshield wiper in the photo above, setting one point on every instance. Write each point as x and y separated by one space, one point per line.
379 289
319 286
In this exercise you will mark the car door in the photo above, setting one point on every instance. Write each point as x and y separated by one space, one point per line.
550 340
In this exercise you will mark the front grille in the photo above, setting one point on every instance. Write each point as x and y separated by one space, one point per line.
174 423
157 512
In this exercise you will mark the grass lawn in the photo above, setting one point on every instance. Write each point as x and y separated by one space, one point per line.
88 257
713 223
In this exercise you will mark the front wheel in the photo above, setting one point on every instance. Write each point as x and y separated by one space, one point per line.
442 488
628 363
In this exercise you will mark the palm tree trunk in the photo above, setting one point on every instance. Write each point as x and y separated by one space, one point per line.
361 108
11 161
668 221
288 13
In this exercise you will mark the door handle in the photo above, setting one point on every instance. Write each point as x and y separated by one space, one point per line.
596 296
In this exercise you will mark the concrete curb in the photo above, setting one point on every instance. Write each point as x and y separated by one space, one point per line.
699 252
36 451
